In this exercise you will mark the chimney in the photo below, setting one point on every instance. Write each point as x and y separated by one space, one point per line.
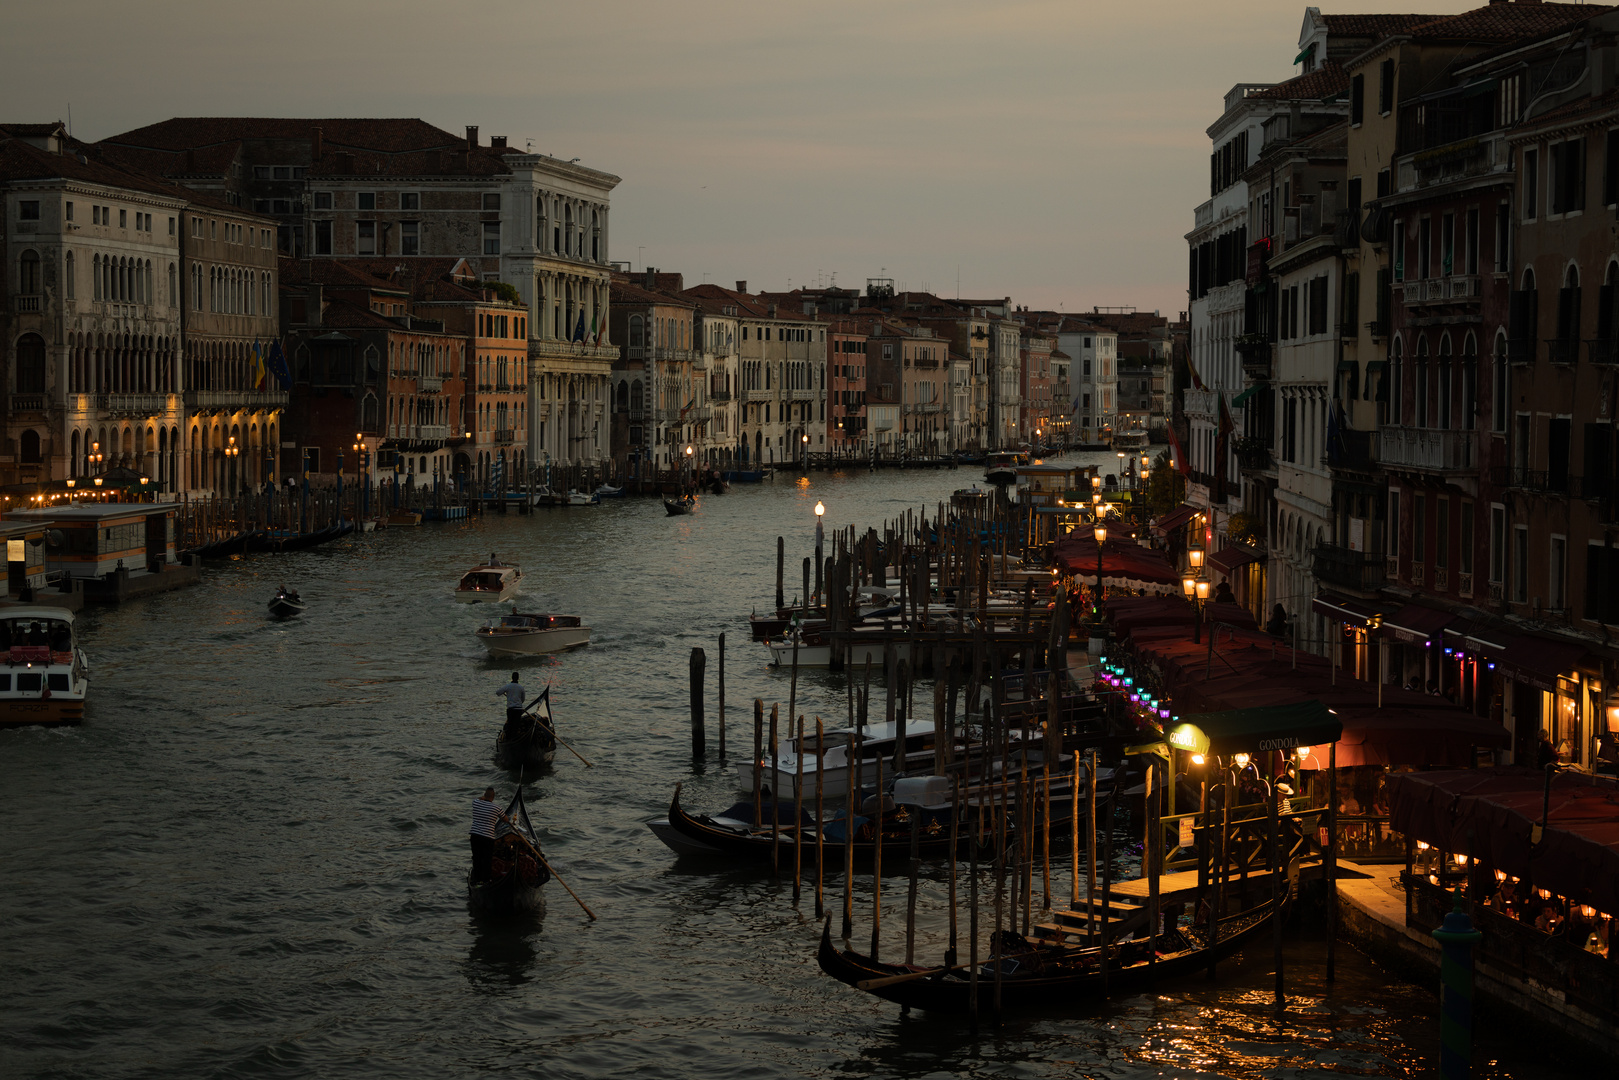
497 142
742 286
312 303
472 136
652 277
317 148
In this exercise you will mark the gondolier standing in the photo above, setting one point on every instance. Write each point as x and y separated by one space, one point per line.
485 816
514 693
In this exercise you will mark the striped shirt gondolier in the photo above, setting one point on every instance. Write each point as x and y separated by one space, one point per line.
485 815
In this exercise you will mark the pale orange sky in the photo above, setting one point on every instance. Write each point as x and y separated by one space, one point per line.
1052 152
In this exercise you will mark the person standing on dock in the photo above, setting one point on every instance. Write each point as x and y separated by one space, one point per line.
486 814
514 693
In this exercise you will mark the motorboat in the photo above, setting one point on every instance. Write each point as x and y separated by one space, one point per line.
841 747
579 498
815 651
405 516
286 603
608 491
1000 468
518 634
1132 440
489 583
46 673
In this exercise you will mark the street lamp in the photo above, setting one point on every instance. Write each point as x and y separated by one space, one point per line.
1100 532
820 512
95 458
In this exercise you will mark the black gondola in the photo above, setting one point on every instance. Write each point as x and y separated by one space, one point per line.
286 603
518 868
1038 974
731 834
531 741
683 505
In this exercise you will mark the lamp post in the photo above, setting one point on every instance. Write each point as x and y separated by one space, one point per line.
689 482
803 455
820 513
231 452
1100 532
95 458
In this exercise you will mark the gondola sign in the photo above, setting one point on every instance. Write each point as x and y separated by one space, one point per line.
1189 737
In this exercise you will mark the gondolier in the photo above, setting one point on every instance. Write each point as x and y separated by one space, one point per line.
486 815
514 694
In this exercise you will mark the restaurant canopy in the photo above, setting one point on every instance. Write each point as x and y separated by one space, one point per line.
1132 614
1168 523
1491 814
1125 565
1230 559
1256 729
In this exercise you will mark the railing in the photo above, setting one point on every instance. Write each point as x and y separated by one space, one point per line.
1563 350
1541 481
1427 449
1419 573
1464 584
719 395
1254 457
504 435
429 384
27 403
1354 449
1520 350
132 404
758 395
29 305
1350 569
1602 351
236 399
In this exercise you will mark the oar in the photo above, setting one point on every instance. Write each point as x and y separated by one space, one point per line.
877 984
564 884
553 733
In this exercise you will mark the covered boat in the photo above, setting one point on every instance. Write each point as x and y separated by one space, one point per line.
46 674
489 583
518 868
531 634
530 741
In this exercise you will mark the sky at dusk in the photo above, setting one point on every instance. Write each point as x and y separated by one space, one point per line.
1048 151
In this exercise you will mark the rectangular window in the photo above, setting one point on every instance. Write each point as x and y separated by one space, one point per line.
1394 522
171 226
410 200
1567 180
323 200
491 202
1385 183
123 216
1610 170
67 212
1424 267
365 240
1498 543
283 172
410 238
1385 87
491 237
1464 539
261 172
365 200
1520 564
95 215
1471 240
1441 540
1419 527
1557 574
1531 183
323 238
1503 238
1357 100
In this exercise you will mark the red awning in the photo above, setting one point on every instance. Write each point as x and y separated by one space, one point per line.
1537 661
1124 565
1343 609
1174 519
1228 559
1489 814
1415 624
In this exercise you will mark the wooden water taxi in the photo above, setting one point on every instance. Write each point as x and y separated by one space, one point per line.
45 677
518 634
489 583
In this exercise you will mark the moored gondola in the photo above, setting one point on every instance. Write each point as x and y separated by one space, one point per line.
530 741
517 870
1034 974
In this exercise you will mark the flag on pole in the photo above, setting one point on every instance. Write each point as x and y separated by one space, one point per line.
260 374
579 328
688 407
1181 464
277 363
601 333
1197 380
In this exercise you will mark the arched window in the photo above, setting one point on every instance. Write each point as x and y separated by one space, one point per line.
30 364
172 283
1446 381
637 332
1501 385
1469 370
95 277
595 236
1566 348
1420 383
543 219
567 229
28 273
1392 389
69 277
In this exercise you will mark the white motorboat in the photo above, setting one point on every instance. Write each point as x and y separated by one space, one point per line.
579 498
530 635
489 583
46 673
608 491
816 652
831 771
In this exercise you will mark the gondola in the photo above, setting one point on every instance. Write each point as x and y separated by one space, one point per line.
731 833
531 741
1038 974
286 603
518 868
684 505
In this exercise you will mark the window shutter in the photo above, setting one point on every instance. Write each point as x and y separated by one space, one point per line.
1357 99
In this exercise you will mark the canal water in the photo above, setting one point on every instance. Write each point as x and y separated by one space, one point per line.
250 860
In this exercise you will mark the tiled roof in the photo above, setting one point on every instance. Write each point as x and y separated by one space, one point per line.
625 292
387 135
1505 22
1328 80
1573 110
20 160
25 131
1372 26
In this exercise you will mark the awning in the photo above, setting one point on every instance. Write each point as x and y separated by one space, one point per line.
1309 50
1344 610
1246 394
1124 565
1257 730
1346 365
1537 662
1491 814
1227 559
1415 624
1173 520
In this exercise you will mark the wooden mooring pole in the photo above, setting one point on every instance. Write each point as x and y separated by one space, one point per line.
698 737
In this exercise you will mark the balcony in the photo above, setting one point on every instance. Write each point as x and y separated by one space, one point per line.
1603 351
432 432
504 436
758 395
719 395
1453 288
1358 570
1544 482
1426 450
29 305
1255 350
27 403
429 384
1563 350
132 404
234 399
1254 456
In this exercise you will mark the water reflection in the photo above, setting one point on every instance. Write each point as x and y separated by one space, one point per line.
502 956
